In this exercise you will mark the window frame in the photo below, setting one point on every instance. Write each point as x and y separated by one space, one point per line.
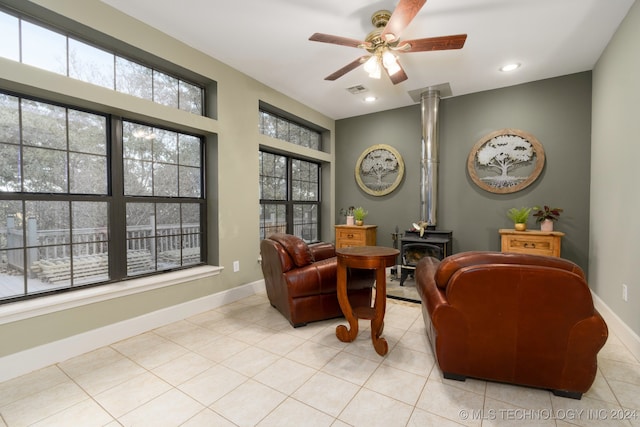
288 202
114 197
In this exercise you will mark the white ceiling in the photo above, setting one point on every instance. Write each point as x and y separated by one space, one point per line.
268 40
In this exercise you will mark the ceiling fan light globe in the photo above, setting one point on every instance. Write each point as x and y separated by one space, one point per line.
371 64
390 63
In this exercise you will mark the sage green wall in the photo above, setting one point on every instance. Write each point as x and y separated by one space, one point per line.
614 232
557 111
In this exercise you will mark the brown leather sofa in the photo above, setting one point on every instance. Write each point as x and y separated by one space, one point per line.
301 279
513 318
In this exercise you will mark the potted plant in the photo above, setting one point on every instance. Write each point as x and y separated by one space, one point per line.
348 213
519 217
359 214
546 216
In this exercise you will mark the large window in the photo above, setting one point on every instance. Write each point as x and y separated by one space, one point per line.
41 47
82 205
289 196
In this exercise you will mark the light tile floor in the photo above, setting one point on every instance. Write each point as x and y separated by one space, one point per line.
244 365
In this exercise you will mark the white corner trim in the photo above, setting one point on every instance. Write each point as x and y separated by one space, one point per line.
21 310
26 361
627 336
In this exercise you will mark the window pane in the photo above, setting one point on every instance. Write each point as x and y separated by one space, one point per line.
137 141
11 226
165 180
138 178
273 219
90 64
87 132
44 48
140 238
44 125
45 171
9 168
169 245
273 177
305 222
165 146
304 180
282 129
190 184
87 174
9 34
165 89
189 150
190 98
90 242
134 79
270 125
9 119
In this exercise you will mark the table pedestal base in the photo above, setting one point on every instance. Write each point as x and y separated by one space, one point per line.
366 257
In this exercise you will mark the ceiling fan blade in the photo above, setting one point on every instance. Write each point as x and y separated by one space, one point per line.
433 43
342 41
401 18
344 70
398 76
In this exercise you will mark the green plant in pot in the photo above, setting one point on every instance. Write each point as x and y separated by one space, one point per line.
519 217
359 215
546 216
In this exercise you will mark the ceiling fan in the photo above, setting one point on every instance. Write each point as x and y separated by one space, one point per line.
384 40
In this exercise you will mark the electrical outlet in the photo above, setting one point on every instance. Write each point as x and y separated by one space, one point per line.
236 266
625 292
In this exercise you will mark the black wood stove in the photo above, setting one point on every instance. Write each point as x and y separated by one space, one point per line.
433 243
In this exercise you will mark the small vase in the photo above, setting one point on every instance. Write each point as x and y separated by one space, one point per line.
359 222
546 225
349 219
520 226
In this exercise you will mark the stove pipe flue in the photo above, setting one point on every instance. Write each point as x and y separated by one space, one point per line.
429 102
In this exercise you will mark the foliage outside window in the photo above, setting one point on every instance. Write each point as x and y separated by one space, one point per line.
66 220
35 45
289 196
287 130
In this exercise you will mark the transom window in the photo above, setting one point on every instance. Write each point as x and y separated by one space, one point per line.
289 196
278 127
41 47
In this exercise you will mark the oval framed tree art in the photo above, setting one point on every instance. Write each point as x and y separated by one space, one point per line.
506 161
379 170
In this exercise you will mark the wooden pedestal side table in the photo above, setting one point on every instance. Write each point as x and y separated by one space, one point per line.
376 258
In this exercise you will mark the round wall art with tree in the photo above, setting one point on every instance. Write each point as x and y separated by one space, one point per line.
379 170
506 161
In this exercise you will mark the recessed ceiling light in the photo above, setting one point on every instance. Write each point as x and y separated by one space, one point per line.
370 99
510 67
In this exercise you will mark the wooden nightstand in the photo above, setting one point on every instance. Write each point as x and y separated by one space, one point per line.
531 242
355 235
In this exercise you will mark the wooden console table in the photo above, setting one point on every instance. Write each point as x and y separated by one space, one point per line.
534 242
372 258
355 235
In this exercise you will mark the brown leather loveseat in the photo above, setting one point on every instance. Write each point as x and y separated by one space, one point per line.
301 279
514 318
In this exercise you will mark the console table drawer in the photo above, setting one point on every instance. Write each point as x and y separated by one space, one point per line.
531 242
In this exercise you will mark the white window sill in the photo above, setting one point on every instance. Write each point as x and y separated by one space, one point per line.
21 310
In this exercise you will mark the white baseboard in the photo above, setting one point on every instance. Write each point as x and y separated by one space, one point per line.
628 337
26 361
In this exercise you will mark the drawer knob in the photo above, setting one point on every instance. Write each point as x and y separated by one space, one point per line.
530 245
350 236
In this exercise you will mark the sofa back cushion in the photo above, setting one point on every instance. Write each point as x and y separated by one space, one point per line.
295 247
453 263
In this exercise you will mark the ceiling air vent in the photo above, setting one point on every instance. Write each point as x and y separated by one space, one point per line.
357 89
